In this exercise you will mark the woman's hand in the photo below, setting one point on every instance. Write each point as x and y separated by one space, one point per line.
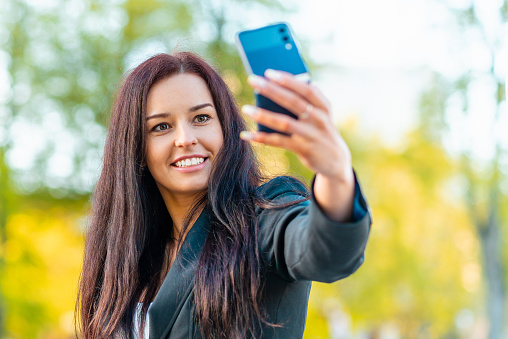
313 137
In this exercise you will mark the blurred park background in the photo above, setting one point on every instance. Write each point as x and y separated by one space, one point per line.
418 90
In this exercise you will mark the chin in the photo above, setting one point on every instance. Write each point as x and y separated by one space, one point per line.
189 189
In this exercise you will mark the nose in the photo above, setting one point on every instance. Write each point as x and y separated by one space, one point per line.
184 136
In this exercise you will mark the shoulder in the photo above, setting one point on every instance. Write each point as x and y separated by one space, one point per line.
283 186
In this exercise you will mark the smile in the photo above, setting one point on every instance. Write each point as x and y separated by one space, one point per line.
189 162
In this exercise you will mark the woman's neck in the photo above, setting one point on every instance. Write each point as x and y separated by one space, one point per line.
179 207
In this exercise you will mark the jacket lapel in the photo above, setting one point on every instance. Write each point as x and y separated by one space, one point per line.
178 283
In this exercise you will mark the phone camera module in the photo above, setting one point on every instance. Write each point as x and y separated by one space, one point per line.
281 30
285 38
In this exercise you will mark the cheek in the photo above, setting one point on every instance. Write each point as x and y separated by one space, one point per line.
220 142
154 153
218 138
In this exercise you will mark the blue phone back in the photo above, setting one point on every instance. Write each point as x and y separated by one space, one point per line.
271 47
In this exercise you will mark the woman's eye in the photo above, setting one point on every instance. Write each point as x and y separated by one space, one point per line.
161 127
202 118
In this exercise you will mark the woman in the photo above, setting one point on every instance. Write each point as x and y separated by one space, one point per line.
183 228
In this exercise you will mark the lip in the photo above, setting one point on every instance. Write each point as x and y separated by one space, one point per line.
191 168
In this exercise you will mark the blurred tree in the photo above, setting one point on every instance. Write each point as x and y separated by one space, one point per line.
421 262
450 107
6 203
43 256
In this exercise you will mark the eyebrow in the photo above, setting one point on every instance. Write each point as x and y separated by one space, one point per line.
192 109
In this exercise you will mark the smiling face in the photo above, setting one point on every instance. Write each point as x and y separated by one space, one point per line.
183 137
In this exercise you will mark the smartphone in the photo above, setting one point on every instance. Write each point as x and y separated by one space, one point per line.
273 47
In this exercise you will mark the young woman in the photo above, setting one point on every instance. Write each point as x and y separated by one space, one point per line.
184 230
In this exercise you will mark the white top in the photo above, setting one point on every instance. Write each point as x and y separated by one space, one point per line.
136 322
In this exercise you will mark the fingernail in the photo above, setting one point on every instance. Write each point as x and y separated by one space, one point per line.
256 81
244 135
249 110
273 74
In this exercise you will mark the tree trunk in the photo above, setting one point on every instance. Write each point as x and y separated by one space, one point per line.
493 269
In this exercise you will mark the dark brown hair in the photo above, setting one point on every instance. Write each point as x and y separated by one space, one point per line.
129 234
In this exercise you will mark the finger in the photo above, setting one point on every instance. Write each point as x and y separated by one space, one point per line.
282 96
280 122
322 97
308 91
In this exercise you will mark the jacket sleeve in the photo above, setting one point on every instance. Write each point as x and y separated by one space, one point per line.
300 242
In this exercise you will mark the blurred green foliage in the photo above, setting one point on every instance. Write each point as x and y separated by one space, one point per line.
64 60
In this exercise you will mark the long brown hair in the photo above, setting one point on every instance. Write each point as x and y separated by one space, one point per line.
130 227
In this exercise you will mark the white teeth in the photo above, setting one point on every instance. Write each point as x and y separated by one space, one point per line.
189 162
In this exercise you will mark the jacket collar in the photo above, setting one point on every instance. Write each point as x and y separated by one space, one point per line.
178 283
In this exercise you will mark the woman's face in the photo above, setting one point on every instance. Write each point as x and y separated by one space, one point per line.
184 134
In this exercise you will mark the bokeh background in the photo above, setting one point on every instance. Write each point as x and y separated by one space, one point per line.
418 90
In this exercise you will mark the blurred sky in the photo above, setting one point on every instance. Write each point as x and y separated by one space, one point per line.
380 56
